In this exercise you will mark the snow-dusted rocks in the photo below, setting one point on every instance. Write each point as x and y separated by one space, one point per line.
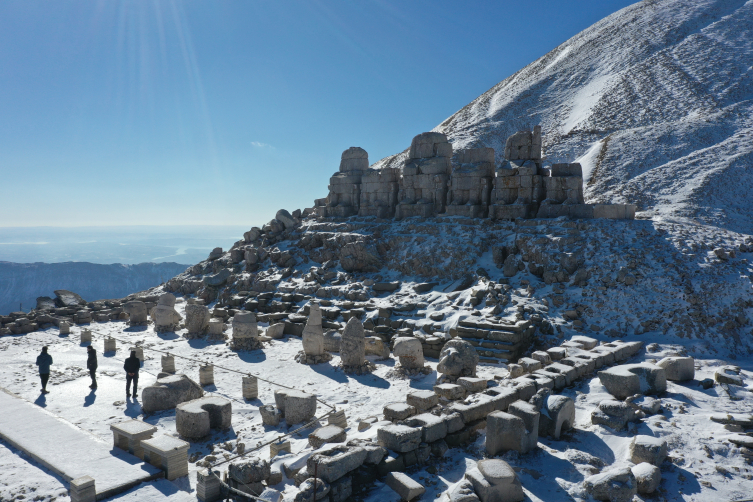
629 379
194 419
614 414
494 480
168 392
197 320
678 369
647 477
617 484
334 462
327 434
245 332
295 406
399 438
458 358
252 470
728 374
270 415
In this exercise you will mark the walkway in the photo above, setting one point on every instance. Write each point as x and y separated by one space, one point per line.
69 451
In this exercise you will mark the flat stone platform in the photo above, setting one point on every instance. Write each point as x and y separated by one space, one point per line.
69 451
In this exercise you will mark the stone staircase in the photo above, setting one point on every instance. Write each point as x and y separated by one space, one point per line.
495 342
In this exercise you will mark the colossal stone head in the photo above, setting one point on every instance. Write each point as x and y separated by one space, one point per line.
458 358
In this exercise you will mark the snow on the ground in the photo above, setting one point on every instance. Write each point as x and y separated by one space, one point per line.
23 479
702 466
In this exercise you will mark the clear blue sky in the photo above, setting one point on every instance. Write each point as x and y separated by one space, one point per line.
221 112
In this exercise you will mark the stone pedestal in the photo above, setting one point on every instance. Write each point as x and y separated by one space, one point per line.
86 336
278 447
169 454
245 332
130 434
65 328
250 387
168 364
208 486
83 490
206 375
194 419
110 344
338 418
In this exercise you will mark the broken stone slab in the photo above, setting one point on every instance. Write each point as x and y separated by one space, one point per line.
494 480
614 485
327 434
648 449
422 400
404 485
399 438
65 298
374 452
312 489
275 331
168 392
194 419
728 375
614 414
629 379
647 477
679 369
333 462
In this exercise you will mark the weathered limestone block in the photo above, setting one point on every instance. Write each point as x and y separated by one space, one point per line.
629 379
615 485
494 480
648 449
137 313
194 419
312 489
379 189
458 358
473 384
245 332
197 319
374 452
398 411
524 145
450 391
399 438
375 346
332 340
564 185
471 183
299 407
557 415
327 434
217 329
270 415
422 400
169 454
433 427
253 470
647 476
404 485
424 177
168 392
409 351
518 429
332 463
679 369
353 348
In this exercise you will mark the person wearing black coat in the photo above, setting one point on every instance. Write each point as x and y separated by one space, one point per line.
132 366
44 361
91 365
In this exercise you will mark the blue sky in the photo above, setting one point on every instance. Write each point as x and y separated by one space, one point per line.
167 113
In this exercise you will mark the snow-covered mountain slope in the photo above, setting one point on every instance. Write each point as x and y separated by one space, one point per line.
24 282
656 102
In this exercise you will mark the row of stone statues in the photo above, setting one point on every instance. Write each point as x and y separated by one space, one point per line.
436 180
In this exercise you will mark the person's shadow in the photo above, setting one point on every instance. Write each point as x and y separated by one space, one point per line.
41 400
89 400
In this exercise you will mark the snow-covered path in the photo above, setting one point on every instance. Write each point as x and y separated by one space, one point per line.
67 450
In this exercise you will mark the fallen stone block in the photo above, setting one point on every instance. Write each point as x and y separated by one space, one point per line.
557 415
614 414
615 485
678 369
450 391
433 428
398 411
270 415
299 407
332 463
327 434
473 384
647 477
195 418
168 392
404 485
728 375
422 400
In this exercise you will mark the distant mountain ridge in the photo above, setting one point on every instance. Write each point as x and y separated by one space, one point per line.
655 101
24 282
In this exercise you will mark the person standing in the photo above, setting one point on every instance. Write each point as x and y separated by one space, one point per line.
132 366
91 365
44 361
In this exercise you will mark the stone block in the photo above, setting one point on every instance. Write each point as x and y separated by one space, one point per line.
678 369
615 485
454 422
505 431
647 476
128 436
299 407
194 419
270 415
557 415
409 351
648 449
494 480
83 489
529 365
404 485
475 408
169 454
327 434
332 463
422 400
473 384
450 391
629 379
399 438
433 427
398 411
168 392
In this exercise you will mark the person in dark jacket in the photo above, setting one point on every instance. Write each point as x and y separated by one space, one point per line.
132 366
44 361
91 365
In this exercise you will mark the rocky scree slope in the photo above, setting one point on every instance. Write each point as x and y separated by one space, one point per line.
655 101
656 280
